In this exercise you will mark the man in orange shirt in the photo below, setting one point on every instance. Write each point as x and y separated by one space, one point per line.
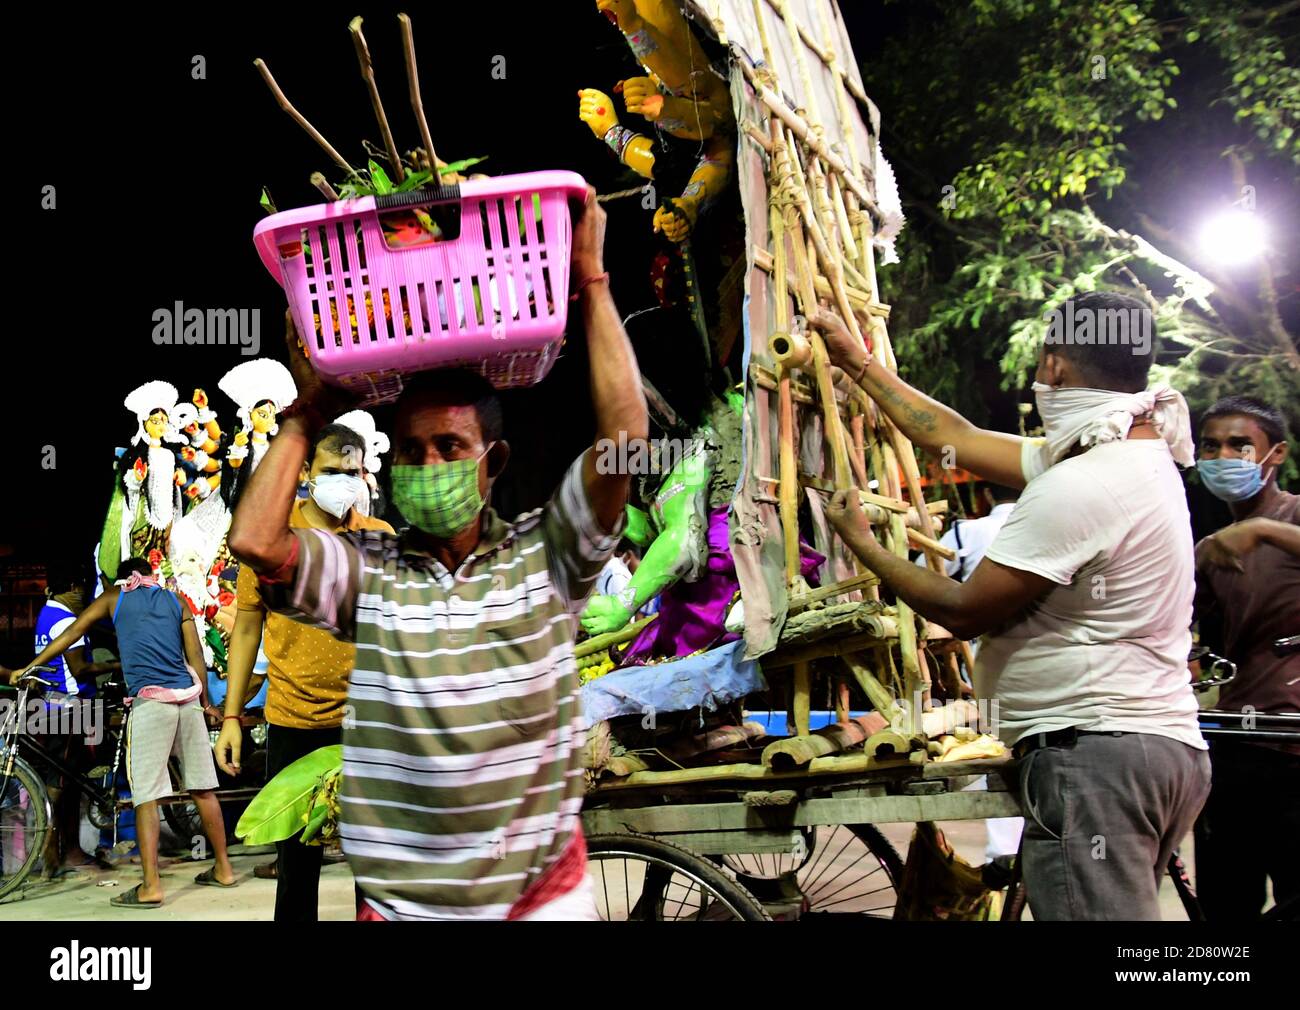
307 668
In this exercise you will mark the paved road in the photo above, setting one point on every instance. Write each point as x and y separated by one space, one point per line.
84 894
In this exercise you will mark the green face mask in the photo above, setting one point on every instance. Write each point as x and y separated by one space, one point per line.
438 498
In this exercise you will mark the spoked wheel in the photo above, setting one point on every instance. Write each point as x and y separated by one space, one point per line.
640 879
101 814
182 818
24 826
848 869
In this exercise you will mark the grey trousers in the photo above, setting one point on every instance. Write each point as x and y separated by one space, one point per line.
1102 816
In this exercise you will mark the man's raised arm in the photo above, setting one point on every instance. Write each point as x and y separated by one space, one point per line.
259 533
616 393
993 455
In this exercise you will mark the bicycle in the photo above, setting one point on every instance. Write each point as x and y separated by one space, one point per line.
26 814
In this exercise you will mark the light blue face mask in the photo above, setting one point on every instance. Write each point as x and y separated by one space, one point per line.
1232 479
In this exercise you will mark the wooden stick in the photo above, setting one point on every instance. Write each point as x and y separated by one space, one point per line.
881 698
800 129
836 589
320 182
300 119
886 739
794 752
601 642
827 56
830 412
801 703
859 299
788 490
368 75
929 544
837 764
417 104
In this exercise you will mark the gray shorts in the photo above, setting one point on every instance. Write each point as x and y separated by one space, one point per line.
156 731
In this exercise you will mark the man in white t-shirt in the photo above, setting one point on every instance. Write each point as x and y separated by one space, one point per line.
1085 599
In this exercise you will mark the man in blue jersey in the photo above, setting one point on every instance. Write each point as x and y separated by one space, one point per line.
161 657
74 678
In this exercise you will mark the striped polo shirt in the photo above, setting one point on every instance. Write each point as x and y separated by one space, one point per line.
462 744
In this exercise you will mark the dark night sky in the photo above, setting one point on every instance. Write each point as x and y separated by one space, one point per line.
158 177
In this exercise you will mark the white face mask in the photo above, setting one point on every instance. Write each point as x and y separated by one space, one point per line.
336 493
1087 417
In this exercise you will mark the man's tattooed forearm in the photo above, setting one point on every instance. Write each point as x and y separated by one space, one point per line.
925 420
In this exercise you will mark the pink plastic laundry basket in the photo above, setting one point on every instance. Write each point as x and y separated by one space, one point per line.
376 296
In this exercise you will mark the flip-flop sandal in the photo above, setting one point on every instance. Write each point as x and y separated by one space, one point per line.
208 878
131 899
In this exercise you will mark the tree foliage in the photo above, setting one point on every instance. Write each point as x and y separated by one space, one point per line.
1033 144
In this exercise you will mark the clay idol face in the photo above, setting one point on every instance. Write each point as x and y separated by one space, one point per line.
263 418
155 425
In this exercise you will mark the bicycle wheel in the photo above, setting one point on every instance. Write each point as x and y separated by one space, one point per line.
852 869
24 825
641 879
182 818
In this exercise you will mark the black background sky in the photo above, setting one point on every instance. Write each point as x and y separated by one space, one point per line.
158 177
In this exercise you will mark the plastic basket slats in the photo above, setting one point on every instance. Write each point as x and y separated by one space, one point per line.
492 297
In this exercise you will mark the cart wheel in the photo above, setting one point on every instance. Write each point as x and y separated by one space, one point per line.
643 879
849 869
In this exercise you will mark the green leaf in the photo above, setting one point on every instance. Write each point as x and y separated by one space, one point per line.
379 179
413 180
280 810
266 202
460 166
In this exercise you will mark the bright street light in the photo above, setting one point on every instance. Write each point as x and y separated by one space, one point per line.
1233 237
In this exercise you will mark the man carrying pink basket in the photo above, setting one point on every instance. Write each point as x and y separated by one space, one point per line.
462 747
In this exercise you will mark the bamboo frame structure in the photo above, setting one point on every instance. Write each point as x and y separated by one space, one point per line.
820 211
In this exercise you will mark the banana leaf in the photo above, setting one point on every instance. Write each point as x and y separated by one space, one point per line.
315 822
110 541
280 810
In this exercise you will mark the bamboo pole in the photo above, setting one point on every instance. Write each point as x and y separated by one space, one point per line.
929 544
838 764
602 642
788 488
417 103
801 702
300 119
881 697
836 589
368 75
847 82
858 298
776 105
797 751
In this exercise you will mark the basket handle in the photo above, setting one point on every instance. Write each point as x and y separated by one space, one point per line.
448 193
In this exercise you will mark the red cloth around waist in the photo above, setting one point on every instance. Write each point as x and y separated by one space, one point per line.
559 879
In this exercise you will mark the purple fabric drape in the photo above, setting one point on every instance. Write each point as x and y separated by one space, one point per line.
691 614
